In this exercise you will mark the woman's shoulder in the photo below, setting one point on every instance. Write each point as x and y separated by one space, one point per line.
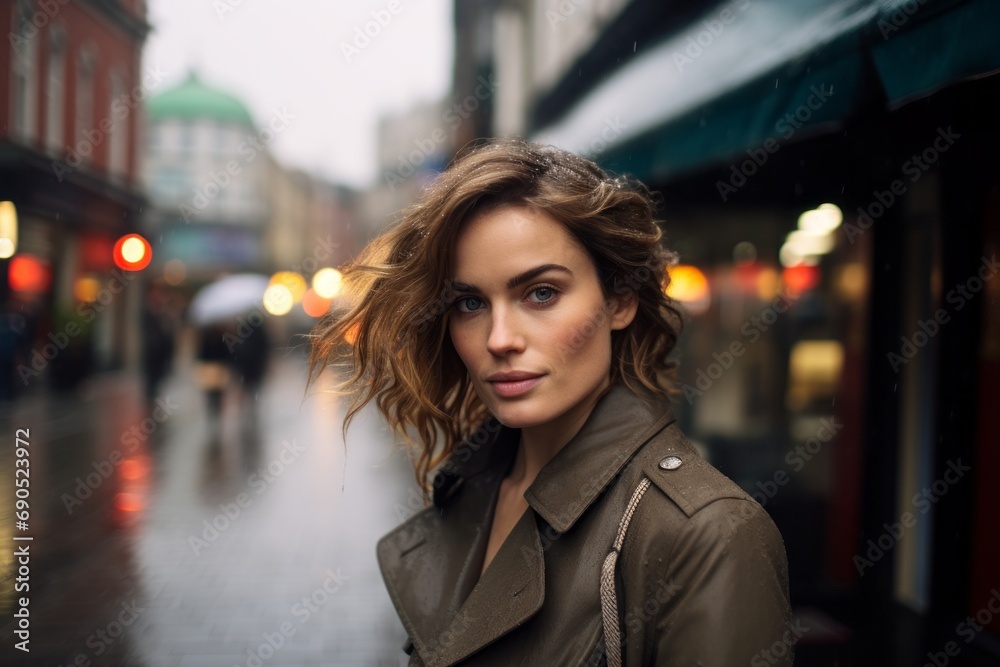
700 554
689 499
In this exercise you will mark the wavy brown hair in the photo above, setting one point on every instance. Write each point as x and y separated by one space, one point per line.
392 343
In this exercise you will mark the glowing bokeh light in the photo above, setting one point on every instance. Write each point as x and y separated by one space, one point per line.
823 219
86 289
327 282
132 253
278 299
689 286
27 273
8 229
293 282
315 305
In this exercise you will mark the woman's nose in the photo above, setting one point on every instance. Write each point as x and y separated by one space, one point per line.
505 334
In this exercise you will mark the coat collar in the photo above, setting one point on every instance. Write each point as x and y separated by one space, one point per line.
431 563
568 484
619 425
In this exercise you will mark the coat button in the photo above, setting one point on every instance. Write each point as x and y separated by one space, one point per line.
671 463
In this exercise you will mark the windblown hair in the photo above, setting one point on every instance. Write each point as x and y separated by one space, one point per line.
392 342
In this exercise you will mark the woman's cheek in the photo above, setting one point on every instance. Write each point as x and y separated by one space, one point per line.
460 341
577 336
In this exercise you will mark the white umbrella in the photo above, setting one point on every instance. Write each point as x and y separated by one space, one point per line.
228 297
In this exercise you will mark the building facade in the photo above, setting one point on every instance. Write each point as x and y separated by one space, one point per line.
70 118
206 168
222 203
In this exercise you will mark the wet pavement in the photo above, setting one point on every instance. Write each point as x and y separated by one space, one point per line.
163 537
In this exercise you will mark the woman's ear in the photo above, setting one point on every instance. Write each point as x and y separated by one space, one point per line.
624 310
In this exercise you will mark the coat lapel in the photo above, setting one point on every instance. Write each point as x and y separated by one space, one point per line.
510 592
431 563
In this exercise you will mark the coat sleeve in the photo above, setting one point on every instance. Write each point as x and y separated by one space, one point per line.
713 591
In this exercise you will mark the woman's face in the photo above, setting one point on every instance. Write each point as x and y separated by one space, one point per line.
530 303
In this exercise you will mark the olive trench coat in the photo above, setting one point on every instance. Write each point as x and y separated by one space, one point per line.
702 576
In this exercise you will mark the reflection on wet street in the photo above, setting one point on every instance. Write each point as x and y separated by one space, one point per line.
163 537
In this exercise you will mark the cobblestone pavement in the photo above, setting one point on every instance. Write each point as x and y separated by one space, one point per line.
163 537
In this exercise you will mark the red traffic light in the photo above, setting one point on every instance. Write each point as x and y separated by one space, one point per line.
132 253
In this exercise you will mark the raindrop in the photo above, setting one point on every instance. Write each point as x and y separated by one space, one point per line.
633 46
776 84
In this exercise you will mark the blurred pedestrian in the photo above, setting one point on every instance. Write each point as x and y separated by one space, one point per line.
251 359
12 325
212 370
516 320
158 341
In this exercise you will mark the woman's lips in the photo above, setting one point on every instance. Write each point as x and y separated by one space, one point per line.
514 388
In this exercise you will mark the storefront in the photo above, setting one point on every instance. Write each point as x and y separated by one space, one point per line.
830 183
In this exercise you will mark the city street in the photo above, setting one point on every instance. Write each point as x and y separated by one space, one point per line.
161 538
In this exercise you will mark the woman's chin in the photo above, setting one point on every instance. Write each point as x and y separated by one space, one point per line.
516 416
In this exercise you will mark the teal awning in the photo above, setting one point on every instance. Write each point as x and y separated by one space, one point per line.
773 70
960 42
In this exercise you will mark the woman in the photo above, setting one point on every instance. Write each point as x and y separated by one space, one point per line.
515 318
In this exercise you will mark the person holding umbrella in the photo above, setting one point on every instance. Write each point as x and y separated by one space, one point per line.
221 353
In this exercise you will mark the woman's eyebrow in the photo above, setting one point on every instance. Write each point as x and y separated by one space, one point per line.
519 279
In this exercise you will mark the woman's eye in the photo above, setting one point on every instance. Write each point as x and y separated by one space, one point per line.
462 304
544 294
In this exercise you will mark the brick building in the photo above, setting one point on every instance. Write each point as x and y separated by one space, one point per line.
70 117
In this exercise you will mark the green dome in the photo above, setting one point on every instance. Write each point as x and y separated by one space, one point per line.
193 99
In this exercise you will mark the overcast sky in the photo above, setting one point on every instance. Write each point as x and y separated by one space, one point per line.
289 55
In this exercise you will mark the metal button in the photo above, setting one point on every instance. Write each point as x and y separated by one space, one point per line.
671 463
